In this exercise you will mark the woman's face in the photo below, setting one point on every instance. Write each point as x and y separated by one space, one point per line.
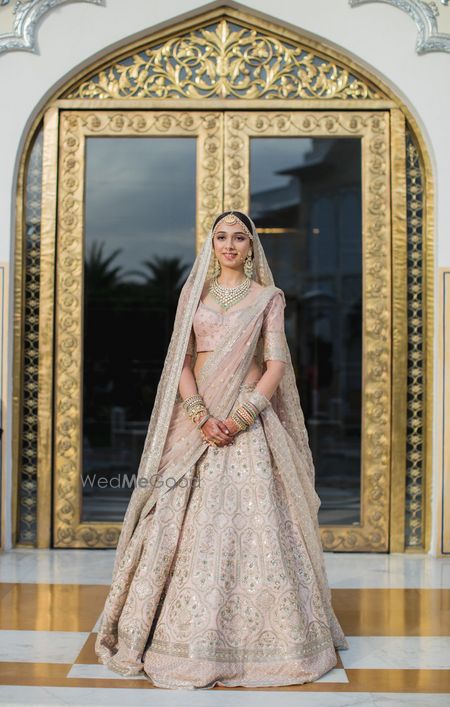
231 245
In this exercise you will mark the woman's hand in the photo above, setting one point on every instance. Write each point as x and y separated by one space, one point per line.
216 431
232 426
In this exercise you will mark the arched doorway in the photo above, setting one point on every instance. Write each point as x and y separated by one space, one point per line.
226 111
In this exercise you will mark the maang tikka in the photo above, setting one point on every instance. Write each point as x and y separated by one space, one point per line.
232 218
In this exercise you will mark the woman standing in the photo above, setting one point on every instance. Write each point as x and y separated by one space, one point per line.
219 574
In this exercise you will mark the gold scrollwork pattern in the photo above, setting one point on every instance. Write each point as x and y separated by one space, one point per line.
75 126
26 530
414 502
373 128
225 60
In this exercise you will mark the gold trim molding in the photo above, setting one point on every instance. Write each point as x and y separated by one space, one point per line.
415 490
399 331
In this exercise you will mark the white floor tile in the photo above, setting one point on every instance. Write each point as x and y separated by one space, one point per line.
57 566
96 697
384 571
394 652
41 646
396 699
98 671
334 675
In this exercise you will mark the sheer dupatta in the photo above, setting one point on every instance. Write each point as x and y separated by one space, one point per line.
219 382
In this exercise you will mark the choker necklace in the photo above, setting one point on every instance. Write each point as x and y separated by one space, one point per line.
228 296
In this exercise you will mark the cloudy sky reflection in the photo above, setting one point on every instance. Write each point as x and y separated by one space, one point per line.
140 197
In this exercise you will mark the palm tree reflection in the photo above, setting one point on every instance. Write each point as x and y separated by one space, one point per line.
128 320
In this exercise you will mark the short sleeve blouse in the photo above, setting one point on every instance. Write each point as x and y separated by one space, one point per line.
273 334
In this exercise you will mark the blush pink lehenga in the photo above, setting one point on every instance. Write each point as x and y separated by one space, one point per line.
219 575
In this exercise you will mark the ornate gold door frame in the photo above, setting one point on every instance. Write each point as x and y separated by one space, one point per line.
75 127
226 136
373 129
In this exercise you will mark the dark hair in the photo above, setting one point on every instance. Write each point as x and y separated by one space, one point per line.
242 216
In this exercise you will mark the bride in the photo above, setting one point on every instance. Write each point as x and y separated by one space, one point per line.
219 575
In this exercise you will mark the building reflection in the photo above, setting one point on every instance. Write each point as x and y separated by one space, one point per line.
306 204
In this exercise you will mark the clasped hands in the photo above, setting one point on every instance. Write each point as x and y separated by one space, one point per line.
219 433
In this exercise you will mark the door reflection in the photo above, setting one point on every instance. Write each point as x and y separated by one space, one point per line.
138 252
305 199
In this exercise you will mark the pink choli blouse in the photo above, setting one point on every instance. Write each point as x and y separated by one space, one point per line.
208 324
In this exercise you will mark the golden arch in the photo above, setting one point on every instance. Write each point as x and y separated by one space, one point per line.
229 60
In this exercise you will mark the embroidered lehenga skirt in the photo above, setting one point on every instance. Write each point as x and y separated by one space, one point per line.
240 606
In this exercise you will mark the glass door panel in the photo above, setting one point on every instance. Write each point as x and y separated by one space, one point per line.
136 194
138 252
317 185
305 199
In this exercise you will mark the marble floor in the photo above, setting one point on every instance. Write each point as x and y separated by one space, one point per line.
394 609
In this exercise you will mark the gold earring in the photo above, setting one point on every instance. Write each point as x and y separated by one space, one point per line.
216 268
248 265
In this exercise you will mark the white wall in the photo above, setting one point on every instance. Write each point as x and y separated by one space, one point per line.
379 36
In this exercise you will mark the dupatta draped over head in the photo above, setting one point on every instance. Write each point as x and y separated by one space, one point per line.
173 444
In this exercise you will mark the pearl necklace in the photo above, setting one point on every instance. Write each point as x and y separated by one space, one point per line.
228 296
